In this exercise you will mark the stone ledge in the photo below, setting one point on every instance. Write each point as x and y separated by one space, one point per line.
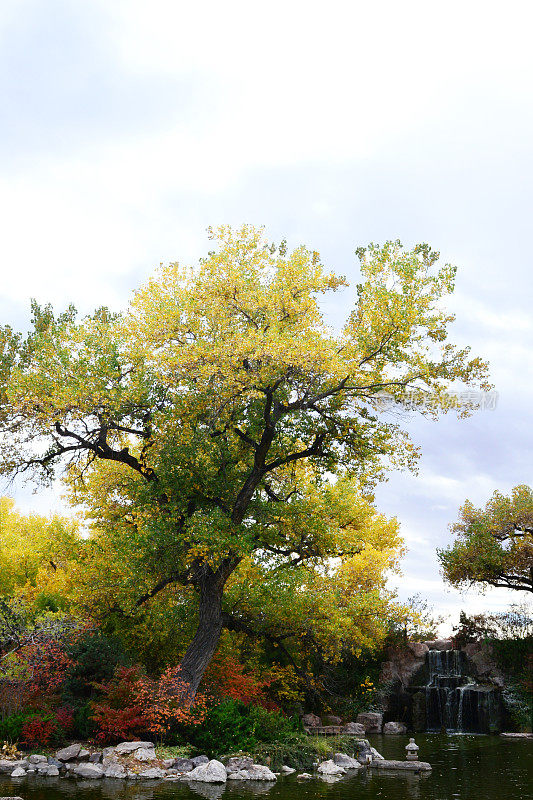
415 766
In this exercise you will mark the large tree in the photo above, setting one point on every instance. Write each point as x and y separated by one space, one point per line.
494 544
206 421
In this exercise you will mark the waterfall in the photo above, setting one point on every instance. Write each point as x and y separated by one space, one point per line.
453 701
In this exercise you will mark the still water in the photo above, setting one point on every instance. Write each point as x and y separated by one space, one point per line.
464 768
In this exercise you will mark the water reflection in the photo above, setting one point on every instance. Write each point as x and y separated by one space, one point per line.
464 768
211 791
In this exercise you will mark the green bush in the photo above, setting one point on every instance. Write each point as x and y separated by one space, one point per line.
11 727
233 726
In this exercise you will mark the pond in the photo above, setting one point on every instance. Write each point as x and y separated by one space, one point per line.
464 768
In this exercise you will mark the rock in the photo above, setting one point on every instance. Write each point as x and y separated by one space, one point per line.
19 772
287 770
353 729
415 766
197 760
153 773
372 721
418 649
67 753
42 769
89 771
107 752
237 763
95 758
125 748
53 771
37 759
210 772
311 721
344 760
396 728
331 719
115 771
8 766
144 754
256 772
131 775
304 776
54 762
440 644
375 755
167 763
11 798
183 764
517 735
83 755
330 768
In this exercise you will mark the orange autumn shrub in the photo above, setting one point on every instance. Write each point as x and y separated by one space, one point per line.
228 678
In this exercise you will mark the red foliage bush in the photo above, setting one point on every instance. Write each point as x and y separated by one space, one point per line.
226 678
134 704
43 729
119 715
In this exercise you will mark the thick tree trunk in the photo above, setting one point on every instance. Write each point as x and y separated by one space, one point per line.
205 642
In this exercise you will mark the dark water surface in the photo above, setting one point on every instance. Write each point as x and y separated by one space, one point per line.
464 768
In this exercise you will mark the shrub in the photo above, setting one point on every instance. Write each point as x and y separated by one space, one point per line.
43 729
163 705
233 726
11 727
119 714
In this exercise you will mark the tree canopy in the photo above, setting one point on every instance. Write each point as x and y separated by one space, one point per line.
494 544
202 427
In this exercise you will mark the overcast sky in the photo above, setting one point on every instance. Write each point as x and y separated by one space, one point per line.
128 127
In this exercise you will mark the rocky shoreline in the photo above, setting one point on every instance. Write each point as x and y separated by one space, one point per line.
139 761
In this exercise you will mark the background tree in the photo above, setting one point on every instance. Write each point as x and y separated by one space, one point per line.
36 553
494 545
205 422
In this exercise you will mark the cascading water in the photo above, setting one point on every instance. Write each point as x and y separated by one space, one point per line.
453 701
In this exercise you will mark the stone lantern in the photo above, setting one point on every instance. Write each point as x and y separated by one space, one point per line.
412 750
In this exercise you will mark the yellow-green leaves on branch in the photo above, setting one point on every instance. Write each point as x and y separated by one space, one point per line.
204 424
494 544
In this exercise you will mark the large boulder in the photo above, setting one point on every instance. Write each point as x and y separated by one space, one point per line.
38 759
418 649
125 748
353 729
8 766
372 721
144 754
344 760
115 771
311 721
197 760
154 773
68 753
183 764
396 728
238 763
256 772
19 772
330 768
89 771
212 772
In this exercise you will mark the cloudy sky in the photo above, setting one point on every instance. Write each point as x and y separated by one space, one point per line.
129 126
